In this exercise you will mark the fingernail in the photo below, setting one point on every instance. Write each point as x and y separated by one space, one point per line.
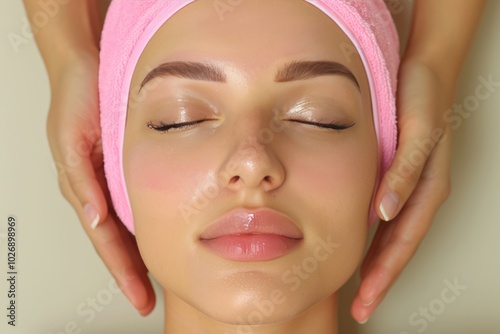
91 215
389 205
369 303
364 321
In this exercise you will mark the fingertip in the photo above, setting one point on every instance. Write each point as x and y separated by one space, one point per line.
91 215
362 313
95 206
372 287
367 297
146 311
359 312
142 295
389 205
94 223
151 301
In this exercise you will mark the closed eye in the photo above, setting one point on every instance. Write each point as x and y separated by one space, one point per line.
165 127
331 125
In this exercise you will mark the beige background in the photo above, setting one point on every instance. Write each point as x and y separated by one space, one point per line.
60 273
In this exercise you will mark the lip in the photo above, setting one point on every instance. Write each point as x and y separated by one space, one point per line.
252 235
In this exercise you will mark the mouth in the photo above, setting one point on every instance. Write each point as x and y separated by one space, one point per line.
251 235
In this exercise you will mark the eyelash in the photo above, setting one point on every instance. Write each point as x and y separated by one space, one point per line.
165 127
329 126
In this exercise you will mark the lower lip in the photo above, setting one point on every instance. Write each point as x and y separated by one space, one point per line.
251 247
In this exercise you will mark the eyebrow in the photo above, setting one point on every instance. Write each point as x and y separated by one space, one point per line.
189 70
292 71
302 70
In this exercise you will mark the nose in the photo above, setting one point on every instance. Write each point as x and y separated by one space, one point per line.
253 165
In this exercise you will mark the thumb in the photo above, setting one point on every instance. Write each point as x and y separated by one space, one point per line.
82 183
404 173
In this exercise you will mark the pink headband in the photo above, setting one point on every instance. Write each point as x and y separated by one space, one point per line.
131 24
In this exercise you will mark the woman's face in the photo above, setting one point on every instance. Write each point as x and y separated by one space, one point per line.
265 126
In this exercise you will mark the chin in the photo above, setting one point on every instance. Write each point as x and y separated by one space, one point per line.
254 298
254 311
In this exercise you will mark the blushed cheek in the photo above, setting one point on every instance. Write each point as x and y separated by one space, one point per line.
157 174
344 172
342 181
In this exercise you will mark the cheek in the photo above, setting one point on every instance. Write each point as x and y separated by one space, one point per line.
341 178
160 181
155 169
335 187
157 174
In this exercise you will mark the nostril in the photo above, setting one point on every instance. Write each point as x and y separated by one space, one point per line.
267 179
234 179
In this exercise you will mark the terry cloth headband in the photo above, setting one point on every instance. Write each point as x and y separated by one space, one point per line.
130 24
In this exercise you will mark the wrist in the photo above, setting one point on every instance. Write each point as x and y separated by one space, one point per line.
73 63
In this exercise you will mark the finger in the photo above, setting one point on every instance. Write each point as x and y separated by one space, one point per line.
79 162
120 256
380 240
420 127
398 183
409 228
114 244
118 250
389 260
386 266
362 313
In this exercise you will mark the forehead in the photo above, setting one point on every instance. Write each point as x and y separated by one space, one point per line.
254 36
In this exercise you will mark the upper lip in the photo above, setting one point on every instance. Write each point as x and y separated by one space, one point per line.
260 221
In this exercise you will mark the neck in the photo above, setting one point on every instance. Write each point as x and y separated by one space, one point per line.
182 318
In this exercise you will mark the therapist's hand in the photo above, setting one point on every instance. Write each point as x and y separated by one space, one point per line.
418 181
414 187
74 135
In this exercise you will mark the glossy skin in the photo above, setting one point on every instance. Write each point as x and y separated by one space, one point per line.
322 179
69 46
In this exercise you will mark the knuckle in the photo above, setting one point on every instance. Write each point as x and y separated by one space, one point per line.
440 188
407 244
414 176
411 175
77 185
416 125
